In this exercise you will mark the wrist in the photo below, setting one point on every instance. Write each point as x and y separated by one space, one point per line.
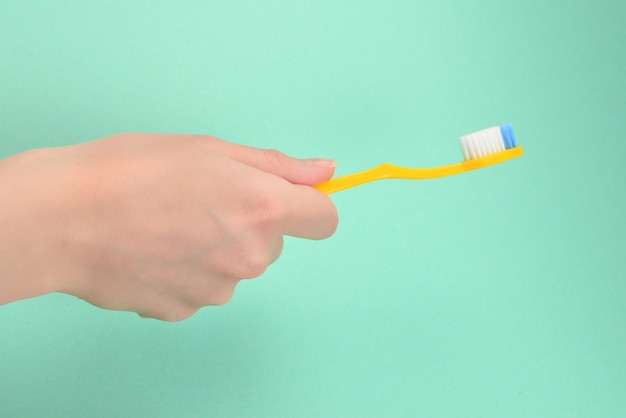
26 228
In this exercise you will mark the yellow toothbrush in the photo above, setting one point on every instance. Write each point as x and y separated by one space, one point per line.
480 149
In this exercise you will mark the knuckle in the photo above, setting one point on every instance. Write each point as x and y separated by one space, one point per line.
180 315
245 261
276 249
172 315
222 297
275 157
253 265
250 259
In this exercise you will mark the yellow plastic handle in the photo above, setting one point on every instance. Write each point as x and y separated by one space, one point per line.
390 171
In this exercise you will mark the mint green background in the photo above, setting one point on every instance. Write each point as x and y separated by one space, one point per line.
498 293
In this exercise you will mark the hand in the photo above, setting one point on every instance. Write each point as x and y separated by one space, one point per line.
156 224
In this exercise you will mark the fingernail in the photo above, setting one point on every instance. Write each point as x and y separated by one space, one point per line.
320 162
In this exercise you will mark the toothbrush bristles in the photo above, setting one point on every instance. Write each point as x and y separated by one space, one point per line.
488 141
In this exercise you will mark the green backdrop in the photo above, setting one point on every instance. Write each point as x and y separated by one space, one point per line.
497 293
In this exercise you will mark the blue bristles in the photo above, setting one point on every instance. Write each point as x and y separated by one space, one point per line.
509 137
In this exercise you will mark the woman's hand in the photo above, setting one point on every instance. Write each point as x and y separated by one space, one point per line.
156 224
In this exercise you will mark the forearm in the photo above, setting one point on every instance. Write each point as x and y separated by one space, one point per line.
22 270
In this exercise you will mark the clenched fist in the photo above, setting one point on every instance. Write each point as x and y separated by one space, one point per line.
156 224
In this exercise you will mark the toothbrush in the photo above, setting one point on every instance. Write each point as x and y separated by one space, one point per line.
480 149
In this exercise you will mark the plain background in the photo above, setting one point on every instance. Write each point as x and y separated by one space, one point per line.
497 293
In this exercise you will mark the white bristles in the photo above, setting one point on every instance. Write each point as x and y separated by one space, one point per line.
482 143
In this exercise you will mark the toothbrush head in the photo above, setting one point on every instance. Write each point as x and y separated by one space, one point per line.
487 142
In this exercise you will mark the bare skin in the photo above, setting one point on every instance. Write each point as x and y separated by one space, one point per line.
161 225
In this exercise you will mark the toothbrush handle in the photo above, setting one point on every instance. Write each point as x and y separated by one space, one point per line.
382 171
390 171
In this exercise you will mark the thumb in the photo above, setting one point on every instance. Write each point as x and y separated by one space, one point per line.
310 171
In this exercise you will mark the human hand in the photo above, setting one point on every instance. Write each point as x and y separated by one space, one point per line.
156 224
